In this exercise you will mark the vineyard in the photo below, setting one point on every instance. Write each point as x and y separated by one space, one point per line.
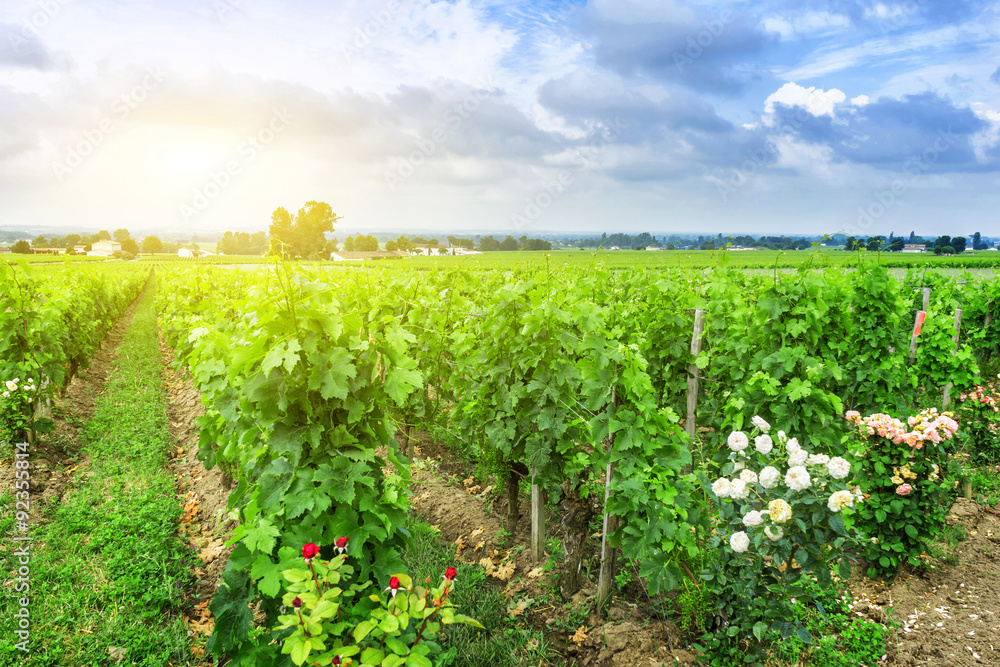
729 453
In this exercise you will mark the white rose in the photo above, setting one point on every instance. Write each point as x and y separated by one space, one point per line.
797 478
818 460
11 385
748 476
763 444
839 468
737 441
739 542
769 477
761 424
782 437
798 457
721 488
752 518
774 532
738 489
792 445
840 500
779 510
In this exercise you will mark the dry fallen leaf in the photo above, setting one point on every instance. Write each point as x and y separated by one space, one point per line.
459 545
537 572
519 608
472 489
505 571
487 564
580 636
476 533
480 545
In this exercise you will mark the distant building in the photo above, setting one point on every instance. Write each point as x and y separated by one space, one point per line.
188 253
914 247
80 249
4 250
48 251
104 248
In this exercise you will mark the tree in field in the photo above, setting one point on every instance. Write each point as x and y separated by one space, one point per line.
304 235
22 248
102 235
509 243
897 245
977 242
958 243
40 242
942 241
875 243
152 245
349 244
363 243
130 246
489 244
391 246
121 235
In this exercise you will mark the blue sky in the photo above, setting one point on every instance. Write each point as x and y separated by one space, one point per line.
518 117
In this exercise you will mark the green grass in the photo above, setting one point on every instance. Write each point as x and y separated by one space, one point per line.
107 568
505 642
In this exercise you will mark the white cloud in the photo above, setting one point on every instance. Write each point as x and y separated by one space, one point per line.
817 101
806 24
636 12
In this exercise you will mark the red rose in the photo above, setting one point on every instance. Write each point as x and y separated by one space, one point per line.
450 574
341 542
336 660
393 583
310 551
297 603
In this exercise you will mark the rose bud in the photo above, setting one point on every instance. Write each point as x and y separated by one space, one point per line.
341 544
309 551
393 585
336 660
450 574
297 603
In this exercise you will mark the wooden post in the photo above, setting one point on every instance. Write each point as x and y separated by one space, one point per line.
692 401
537 520
967 489
607 553
927 298
946 399
917 323
610 523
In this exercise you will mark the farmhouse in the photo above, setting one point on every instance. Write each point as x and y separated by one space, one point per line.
914 247
188 253
48 251
104 248
4 250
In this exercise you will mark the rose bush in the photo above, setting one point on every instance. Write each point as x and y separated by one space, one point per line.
785 514
328 628
899 466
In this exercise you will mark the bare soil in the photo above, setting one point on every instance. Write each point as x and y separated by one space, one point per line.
948 615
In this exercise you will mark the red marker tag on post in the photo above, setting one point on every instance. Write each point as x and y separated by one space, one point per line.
921 316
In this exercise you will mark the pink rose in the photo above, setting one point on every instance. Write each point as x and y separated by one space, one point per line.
904 490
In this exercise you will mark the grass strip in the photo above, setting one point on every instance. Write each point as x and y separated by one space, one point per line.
506 642
107 567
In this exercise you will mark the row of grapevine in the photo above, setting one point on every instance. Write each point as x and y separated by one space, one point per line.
572 379
51 323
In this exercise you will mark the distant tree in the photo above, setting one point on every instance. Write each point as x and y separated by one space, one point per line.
707 245
851 243
489 244
460 243
391 246
121 235
897 245
349 244
912 237
40 242
875 243
152 245
977 242
404 243
304 235
365 243
22 247
942 241
100 236
130 246
958 243
509 243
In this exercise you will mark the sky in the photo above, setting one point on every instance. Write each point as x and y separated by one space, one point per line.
489 116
